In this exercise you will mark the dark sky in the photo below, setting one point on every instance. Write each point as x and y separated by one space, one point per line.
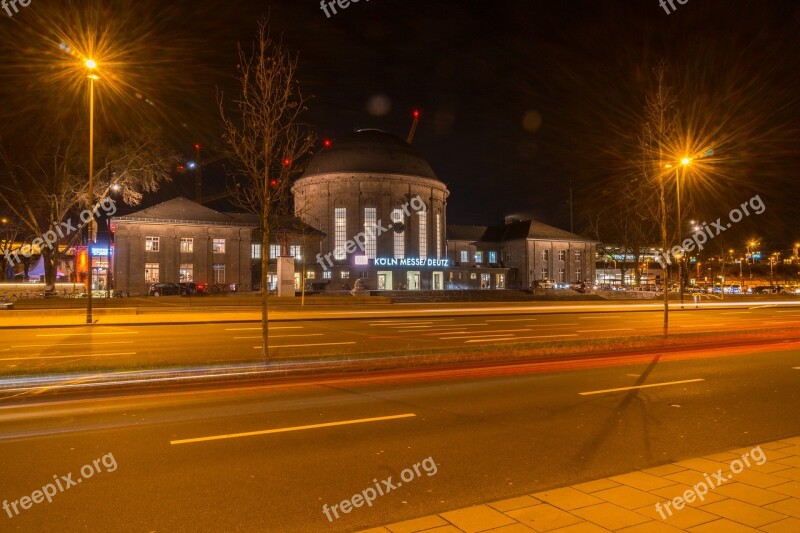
518 97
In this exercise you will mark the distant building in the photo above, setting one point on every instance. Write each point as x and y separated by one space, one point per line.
180 241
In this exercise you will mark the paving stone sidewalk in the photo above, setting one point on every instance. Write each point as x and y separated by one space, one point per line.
760 498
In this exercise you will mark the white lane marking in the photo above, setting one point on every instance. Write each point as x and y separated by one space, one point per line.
281 336
476 336
601 330
600 317
410 327
550 325
92 333
796 368
401 323
66 356
104 343
299 345
295 428
497 331
737 312
259 328
519 338
641 386
437 331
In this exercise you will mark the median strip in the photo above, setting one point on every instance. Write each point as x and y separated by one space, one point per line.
295 428
641 386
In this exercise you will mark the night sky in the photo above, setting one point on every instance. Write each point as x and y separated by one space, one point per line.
518 98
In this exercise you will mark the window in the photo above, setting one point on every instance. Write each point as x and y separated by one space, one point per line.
370 232
340 228
473 275
345 274
186 273
255 251
479 257
311 274
562 255
219 246
464 256
219 273
423 234
274 251
399 236
438 230
578 274
151 244
492 258
500 281
151 272
545 273
296 251
545 255
187 245
562 275
326 274
578 255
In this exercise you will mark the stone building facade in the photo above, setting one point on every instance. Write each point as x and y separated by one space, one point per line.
181 241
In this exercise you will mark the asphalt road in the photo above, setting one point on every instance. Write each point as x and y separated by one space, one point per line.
156 346
184 464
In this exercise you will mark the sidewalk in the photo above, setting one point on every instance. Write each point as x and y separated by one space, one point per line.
759 498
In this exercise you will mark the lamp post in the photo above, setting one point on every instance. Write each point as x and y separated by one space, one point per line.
680 173
91 65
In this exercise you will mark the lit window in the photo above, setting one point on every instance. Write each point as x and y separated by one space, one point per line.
399 237
151 244
255 251
578 274
186 273
187 245
492 258
326 274
562 255
465 256
219 246
151 272
219 273
479 257
438 231
423 234
473 275
578 255
340 225
274 251
345 274
311 274
296 251
370 232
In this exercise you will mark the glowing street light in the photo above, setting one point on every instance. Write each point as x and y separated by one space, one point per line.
91 65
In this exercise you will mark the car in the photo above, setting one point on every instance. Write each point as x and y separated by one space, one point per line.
167 289
543 284
190 288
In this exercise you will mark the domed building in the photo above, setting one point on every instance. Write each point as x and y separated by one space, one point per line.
383 212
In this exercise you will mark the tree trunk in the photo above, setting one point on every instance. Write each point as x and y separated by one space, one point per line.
264 285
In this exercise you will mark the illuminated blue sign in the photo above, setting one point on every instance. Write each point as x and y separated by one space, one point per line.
407 261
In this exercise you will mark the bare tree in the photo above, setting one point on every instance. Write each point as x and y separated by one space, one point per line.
44 181
266 140
658 129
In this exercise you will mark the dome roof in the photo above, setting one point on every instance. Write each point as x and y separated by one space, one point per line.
371 151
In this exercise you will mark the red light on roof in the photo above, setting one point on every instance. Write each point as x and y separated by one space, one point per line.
327 143
197 147
287 162
416 113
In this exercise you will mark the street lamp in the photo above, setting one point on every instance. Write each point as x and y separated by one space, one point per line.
680 174
91 65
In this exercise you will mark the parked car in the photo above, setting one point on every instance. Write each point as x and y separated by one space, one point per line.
189 288
167 289
543 284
